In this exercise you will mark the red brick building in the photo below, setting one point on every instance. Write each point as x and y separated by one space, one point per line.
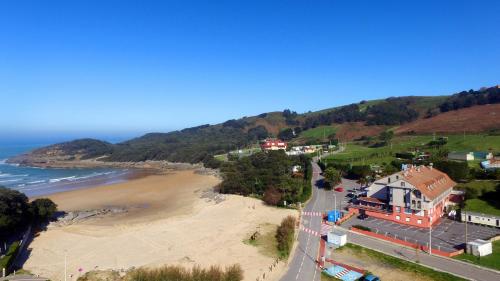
416 196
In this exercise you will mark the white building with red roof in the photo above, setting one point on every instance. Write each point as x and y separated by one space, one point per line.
273 144
415 196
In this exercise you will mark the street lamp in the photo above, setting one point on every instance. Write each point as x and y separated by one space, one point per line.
65 265
430 235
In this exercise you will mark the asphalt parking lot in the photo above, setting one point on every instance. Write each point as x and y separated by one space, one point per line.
447 236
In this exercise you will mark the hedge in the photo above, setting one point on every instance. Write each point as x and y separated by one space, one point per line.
8 259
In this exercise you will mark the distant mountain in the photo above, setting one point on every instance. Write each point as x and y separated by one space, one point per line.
411 114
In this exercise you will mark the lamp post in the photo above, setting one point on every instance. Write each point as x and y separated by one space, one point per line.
65 265
430 235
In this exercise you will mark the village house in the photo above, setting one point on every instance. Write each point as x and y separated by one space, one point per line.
273 144
417 196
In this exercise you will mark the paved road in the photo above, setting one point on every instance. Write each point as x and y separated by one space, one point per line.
443 264
303 264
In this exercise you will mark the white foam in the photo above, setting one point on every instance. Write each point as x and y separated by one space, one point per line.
61 179
35 182
14 180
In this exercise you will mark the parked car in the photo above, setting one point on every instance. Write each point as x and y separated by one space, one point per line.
339 189
362 216
369 277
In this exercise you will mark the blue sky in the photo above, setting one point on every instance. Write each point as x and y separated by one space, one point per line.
122 68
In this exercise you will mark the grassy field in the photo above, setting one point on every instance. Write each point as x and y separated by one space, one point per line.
320 132
359 154
402 265
491 261
481 206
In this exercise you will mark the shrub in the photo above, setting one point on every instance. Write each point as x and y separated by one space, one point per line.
272 196
8 259
362 227
178 273
284 236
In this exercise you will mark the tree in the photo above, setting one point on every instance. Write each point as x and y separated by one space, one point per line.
456 170
332 177
258 133
286 135
43 209
386 136
357 172
13 210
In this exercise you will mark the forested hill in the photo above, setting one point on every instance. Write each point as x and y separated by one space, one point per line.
199 144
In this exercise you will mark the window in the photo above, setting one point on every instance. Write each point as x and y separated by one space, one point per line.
469 218
419 205
407 219
398 217
403 183
419 221
389 180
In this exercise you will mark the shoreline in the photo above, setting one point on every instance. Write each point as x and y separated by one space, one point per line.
47 189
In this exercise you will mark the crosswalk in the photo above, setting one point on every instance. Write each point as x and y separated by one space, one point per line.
312 214
341 274
310 231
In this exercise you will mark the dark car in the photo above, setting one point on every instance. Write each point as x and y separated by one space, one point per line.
370 277
362 216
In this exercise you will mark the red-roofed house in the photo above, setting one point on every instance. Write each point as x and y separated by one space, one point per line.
273 144
415 196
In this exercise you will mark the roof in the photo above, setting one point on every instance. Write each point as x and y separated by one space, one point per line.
371 200
429 181
494 161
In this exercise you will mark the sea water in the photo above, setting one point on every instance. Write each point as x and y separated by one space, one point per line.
35 181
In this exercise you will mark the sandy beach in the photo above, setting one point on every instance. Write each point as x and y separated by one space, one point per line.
169 219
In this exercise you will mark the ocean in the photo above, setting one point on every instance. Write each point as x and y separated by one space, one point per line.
34 181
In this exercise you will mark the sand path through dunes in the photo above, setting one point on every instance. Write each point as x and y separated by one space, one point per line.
200 232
